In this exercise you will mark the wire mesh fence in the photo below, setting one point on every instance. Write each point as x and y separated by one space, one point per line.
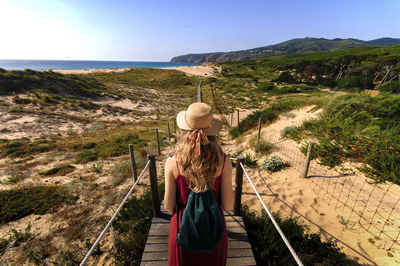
375 207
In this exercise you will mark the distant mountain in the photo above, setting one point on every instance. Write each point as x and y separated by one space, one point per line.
292 46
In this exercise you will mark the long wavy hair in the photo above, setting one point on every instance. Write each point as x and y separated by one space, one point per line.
200 171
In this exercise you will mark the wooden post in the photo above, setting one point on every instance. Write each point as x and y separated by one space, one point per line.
153 185
238 121
133 163
232 119
308 160
259 131
239 182
169 132
158 142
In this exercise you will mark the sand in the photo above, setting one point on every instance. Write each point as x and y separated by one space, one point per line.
92 70
308 199
201 70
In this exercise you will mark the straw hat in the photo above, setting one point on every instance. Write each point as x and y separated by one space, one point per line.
199 116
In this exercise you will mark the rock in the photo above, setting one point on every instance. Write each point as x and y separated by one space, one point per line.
11 244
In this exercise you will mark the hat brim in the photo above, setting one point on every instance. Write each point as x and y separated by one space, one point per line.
213 130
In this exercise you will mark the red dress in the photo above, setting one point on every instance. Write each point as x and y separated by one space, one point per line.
178 255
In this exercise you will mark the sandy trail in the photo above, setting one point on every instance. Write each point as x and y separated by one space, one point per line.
320 201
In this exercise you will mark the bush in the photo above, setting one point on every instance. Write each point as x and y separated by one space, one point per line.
132 226
24 147
59 170
87 156
274 164
356 83
390 86
290 131
361 128
269 248
18 203
265 87
286 77
267 115
263 146
121 172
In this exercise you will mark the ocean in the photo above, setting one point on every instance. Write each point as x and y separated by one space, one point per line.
81 64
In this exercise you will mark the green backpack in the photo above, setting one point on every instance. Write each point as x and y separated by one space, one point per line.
202 225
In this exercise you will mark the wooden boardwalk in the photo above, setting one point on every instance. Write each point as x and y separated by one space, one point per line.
239 249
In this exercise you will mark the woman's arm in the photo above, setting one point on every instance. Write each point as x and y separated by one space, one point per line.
226 185
170 186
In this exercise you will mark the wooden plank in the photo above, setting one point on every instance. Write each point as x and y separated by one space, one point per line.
156 247
239 248
239 252
154 263
241 261
155 256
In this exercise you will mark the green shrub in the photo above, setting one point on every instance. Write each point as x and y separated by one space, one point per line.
96 167
355 82
121 172
24 147
267 115
286 77
20 202
87 156
262 147
59 170
132 226
290 131
274 164
118 145
265 87
360 128
390 86
269 248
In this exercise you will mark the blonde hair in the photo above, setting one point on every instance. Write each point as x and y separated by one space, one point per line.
200 171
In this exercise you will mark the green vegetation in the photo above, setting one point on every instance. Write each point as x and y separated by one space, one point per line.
15 236
20 202
59 170
267 115
298 45
132 227
360 128
121 172
269 248
249 160
262 147
17 81
390 86
171 81
274 164
24 147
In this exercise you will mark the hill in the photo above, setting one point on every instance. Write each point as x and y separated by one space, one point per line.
297 45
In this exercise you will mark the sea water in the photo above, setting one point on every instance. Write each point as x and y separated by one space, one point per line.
82 64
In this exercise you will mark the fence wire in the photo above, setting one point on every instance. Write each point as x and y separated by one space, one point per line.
375 207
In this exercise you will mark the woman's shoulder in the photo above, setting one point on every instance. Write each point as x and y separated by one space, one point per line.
171 165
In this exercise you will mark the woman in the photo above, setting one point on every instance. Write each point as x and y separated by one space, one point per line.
198 164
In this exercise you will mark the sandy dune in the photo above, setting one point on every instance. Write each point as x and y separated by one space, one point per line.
315 200
201 70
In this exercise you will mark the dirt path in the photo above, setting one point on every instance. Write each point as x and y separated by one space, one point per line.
315 200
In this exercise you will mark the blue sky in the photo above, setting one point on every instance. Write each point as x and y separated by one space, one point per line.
158 30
